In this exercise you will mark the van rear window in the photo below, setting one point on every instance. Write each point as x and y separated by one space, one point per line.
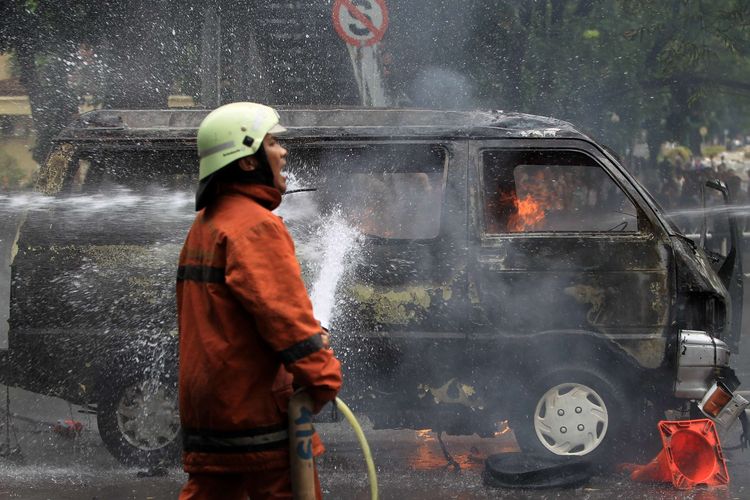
103 171
387 191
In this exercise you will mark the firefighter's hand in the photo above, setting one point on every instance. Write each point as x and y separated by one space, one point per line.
325 335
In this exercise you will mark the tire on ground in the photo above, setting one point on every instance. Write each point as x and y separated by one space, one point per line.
139 422
581 411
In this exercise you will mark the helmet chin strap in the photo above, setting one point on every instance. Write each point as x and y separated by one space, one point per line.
262 174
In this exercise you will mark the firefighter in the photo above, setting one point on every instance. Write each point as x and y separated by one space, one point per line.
246 324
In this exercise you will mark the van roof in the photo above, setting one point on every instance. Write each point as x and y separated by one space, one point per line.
324 121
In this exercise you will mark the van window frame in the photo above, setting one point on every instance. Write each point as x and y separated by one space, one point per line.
298 142
647 220
562 168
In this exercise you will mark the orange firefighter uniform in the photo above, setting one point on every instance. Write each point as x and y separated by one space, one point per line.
247 331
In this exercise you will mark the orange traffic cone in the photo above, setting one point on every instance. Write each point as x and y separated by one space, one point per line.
692 455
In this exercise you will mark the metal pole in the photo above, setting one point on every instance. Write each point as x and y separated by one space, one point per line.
7 419
210 69
218 58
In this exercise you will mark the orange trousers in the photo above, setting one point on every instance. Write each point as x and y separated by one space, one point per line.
266 485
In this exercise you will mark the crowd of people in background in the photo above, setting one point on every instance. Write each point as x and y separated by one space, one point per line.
678 184
681 182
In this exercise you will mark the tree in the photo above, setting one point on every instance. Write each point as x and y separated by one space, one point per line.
43 35
696 53
137 44
617 66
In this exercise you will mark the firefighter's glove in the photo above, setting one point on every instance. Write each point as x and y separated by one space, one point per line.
325 336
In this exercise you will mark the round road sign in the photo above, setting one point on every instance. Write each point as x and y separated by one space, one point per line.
360 22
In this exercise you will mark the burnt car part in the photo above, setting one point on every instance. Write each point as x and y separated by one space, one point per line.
530 471
730 271
700 357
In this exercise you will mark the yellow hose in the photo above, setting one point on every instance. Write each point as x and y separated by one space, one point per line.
363 443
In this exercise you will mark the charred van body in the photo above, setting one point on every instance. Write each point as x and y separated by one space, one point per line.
508 267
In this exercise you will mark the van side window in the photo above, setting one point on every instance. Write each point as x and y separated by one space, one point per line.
106 171
386 191
552 191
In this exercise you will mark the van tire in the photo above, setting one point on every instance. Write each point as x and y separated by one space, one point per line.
592 418
139 422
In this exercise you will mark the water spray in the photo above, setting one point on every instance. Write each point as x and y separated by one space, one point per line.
338 239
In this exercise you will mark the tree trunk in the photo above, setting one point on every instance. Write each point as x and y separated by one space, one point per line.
515 56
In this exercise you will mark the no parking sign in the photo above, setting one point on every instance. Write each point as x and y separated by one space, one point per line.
361 23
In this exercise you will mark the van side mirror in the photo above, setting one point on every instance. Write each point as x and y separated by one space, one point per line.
719 186
724 190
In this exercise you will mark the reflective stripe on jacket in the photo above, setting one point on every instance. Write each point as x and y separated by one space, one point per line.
246 331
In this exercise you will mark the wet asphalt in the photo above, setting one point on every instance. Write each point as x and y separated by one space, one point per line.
410 465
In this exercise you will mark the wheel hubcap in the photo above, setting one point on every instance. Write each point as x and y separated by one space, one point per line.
147 415
571 419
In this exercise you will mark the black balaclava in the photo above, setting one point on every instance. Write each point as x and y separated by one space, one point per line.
233 173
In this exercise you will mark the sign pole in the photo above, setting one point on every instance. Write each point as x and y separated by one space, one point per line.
357 70
362 24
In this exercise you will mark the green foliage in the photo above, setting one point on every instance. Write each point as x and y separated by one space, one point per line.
711 151
669 67
675 153
591 34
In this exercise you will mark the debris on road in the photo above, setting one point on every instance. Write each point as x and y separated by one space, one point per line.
534 471
68 428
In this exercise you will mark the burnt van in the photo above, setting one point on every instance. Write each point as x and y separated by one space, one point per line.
498 267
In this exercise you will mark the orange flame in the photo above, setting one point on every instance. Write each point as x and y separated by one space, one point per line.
468 451
528 214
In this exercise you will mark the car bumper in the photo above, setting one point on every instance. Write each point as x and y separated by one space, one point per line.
704 376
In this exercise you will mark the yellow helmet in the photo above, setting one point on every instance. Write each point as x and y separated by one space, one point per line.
228 133
234 131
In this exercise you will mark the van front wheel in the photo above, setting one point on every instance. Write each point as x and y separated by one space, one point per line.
139 423
578 412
